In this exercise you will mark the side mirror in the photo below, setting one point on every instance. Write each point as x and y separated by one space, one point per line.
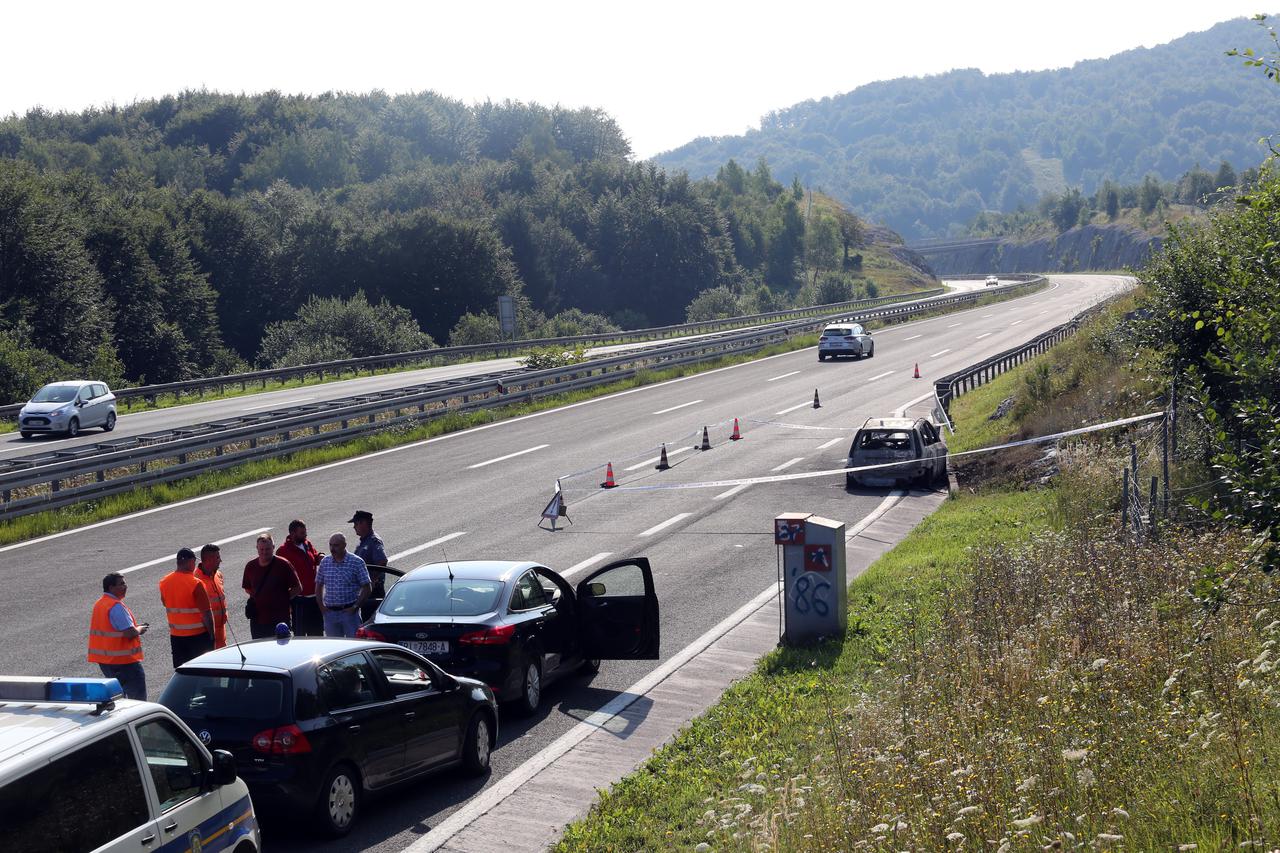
80 403
596 588
224 768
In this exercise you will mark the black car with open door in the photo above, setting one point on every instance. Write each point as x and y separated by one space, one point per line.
518 626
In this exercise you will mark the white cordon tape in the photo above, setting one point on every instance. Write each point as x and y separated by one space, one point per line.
786 425
806 475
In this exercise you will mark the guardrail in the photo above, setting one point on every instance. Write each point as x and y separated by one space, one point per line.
34 483
493 350
953 385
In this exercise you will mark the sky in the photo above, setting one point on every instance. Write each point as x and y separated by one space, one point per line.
668 72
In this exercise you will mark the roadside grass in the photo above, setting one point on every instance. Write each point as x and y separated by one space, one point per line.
88 512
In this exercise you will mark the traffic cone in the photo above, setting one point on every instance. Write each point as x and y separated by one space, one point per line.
706 440
917 374
816 404
608 478
737 436
662 462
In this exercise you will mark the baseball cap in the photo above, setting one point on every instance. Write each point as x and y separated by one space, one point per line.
186 554
361 515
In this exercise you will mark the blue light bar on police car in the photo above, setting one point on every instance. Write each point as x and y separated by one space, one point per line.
20 688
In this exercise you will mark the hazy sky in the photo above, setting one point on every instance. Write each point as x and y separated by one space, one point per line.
667 71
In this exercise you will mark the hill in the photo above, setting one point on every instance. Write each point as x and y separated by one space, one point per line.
926 155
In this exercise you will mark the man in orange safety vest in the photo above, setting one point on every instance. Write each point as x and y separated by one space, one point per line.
207 572
187 606
115 638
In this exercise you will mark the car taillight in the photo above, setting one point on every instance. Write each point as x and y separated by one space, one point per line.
370 634
489 637
285 740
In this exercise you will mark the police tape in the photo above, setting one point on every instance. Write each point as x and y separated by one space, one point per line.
785 425
809 475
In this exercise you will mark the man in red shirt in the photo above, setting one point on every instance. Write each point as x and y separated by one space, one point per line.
271 583
302 555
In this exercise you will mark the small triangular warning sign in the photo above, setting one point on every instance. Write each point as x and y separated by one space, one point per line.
556 508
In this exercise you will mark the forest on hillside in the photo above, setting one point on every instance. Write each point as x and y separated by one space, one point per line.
926 155
203 233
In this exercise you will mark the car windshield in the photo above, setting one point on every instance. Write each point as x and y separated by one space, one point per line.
241 696
883 439
56 394
442 597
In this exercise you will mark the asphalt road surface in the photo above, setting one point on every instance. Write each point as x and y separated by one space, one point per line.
711 549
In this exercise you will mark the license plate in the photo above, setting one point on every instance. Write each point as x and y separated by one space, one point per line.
428 647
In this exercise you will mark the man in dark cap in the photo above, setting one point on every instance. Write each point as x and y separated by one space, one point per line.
186 604
374 553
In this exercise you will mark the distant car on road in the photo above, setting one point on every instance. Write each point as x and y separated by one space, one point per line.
845 339
68 407
316 723
913 443
517 626
992 281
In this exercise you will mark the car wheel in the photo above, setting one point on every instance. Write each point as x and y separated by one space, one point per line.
849 482
339 801
111 422
530 688
73 427
871 353
590 666
478 746
822 356
26 434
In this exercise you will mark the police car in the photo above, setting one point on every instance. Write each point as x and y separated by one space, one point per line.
84 769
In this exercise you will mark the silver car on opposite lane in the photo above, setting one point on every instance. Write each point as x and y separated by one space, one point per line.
67 408
845 339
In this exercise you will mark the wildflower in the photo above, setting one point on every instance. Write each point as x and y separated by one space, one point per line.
1185 848
955 836
880 829
1107 838
1085 777
968 810
703 847
1075 754
1098 664
1023 823
1120 813
1027 784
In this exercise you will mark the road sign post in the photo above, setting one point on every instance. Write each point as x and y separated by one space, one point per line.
507 315
813 563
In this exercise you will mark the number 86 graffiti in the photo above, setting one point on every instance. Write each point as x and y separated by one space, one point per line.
811 595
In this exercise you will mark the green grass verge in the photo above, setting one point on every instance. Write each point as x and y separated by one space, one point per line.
53 521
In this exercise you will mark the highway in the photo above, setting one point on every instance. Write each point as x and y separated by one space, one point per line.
711 548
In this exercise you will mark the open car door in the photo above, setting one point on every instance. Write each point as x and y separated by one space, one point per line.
618 612
374 601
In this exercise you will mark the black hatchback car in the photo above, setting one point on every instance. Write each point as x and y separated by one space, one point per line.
517 626
315 724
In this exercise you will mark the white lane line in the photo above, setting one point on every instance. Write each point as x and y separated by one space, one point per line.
793 408
912 338
172 558
783 376
495 794
825 445
788 464
902 410
276 403
731 492
985 316
1015 322
953 325
508 456
425 545
655 460
590 561
882 375
675 519
681 406
940 352
981 336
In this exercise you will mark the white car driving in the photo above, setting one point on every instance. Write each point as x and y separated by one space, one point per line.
845 339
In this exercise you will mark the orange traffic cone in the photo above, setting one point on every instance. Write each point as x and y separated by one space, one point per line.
917 374
816 404
662 462
737 435
608 478
706 441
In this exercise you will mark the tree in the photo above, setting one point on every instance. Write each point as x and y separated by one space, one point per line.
1150 194
1112 203
715 303
822 241
328 329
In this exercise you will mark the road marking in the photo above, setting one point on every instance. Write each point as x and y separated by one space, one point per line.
655 460
953 325
425 545
940 352
494 795
901 411
831 442
1015 322
788 463
783 376
172 558
912 338
731 492
882 375
793 408
681 406
508 456
277 403
985 316
675 519
981 336
590 561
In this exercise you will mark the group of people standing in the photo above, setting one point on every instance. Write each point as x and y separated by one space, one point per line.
293 586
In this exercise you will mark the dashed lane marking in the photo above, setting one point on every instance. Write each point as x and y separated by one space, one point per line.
681 406
788 463
783 376
655 460
508 456
172 559
675 519
587 563
425 545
